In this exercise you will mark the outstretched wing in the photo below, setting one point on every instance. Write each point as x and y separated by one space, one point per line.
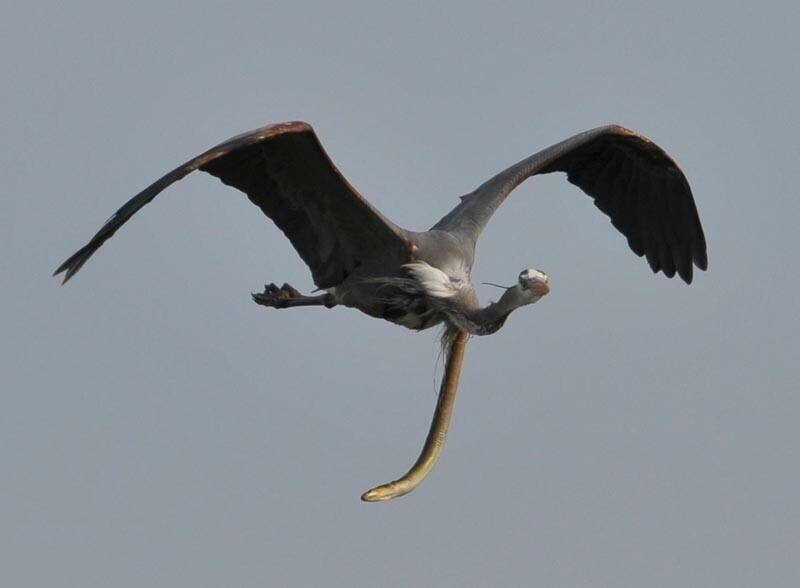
284 171
630 178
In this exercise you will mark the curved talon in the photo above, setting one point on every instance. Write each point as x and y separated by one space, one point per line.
288 297
275 297
290 291
437 434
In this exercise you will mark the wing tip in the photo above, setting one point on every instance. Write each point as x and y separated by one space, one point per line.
686 272
701 260
75 262
61 269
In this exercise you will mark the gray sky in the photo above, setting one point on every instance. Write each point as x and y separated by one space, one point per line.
159 429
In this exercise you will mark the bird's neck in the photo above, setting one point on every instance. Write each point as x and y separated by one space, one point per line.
490 318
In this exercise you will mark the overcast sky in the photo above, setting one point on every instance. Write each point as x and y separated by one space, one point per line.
157 428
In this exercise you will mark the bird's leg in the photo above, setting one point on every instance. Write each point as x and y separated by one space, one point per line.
288 297
438 431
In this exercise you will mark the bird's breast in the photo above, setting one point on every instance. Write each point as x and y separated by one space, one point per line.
414 315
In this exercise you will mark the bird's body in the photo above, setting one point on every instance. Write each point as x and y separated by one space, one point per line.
430 286
434 268
361 259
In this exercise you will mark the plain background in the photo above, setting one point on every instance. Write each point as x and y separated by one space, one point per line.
159 429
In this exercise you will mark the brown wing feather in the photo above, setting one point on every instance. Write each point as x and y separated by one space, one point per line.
284 170
646 196
292 180
631 180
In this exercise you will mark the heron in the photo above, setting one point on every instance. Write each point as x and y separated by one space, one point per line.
419 279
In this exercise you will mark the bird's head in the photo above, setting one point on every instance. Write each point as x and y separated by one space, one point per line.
532 284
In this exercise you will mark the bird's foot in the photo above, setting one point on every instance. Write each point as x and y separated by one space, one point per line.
275 297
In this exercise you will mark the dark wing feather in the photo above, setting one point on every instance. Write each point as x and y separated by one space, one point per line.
284 170
631 180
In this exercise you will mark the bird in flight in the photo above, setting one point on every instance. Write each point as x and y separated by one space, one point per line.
360 259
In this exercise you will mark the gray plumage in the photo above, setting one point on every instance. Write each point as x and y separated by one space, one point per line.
363 260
